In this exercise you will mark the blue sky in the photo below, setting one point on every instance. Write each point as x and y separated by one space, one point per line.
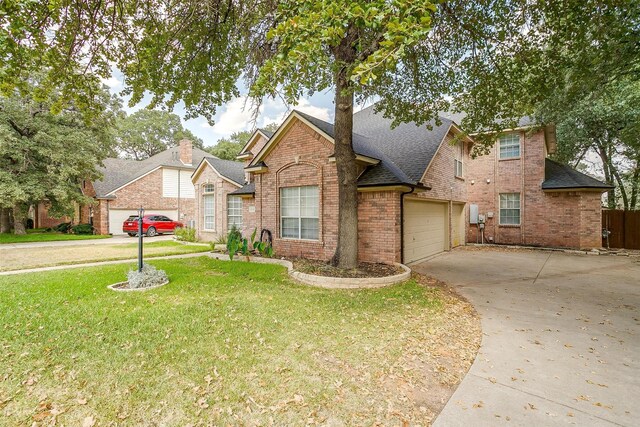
233 116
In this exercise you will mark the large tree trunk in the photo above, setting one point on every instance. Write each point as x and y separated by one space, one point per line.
19 217
346 256
5 220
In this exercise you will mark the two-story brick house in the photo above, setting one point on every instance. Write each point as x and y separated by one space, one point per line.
416 188
161 184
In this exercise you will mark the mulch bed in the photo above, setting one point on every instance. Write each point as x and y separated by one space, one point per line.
364 269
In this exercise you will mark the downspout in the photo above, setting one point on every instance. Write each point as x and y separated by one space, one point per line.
402 222
179 173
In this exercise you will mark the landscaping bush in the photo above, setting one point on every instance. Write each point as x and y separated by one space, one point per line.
29 224
149 276
82 229
186 234
63 228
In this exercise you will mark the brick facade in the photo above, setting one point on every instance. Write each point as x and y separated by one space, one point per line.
560 219
221 192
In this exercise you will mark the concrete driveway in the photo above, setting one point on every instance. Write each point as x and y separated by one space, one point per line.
561 341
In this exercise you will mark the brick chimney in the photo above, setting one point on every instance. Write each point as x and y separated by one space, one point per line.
186 151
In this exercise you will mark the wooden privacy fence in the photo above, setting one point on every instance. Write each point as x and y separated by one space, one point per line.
624 229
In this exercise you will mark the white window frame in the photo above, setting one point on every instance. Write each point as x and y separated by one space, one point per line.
299 217
208 192
507 143
510 202
459 160
232 211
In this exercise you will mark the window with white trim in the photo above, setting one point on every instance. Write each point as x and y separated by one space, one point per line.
209 206
509 146
458 159
510 209
234 212
299 207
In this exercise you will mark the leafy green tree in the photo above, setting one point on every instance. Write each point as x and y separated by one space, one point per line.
229 148
45 156
605 124
494 59
148 132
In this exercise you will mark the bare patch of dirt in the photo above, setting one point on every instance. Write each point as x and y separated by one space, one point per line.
364 269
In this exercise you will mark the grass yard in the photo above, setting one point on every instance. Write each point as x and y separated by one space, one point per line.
226 344
23 258
40 235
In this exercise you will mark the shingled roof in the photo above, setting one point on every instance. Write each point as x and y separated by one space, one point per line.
404 151
118 172
229 169
562 177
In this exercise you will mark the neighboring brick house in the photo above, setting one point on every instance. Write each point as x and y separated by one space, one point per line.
160 184
415 189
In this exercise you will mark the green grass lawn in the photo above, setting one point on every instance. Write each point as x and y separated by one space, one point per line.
223 344
39 235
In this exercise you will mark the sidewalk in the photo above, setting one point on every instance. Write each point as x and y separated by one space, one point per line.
97 264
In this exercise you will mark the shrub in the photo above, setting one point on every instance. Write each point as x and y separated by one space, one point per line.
29 224
149 276
234 241
63 228
82 229
186 234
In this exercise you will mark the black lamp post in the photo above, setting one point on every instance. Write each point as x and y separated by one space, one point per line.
140 215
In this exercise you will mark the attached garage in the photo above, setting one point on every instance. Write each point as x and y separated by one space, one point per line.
118 216
425 229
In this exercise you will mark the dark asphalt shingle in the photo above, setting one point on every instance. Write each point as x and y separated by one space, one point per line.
559 177
228 168
246 189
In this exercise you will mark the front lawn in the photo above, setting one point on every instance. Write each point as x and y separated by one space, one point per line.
45 236
24 258
226 344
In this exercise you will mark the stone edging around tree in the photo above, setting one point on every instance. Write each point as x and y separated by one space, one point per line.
114 288
328 282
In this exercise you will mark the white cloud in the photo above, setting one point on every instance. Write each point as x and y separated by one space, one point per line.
238 115
112 82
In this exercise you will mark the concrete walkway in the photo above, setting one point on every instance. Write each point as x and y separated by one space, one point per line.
561 338
98 264
115 240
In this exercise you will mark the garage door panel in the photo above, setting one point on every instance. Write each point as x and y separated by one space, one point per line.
424 229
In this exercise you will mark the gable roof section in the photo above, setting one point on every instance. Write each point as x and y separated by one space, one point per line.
562 177
252 140
229 170
118 173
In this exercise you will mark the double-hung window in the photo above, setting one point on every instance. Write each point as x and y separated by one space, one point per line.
209 206
299 207
234 211
458 160
510 209
509 146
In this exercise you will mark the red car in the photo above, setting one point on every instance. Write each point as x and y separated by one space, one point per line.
151 225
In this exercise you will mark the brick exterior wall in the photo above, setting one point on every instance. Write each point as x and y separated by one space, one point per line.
379 226
560 219
222 190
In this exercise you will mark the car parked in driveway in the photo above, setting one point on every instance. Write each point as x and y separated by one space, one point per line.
151 225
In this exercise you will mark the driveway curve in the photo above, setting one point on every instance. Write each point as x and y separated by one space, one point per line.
561 338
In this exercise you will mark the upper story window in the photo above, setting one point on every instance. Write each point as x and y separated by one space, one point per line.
458 162
509 146
299 208
510 209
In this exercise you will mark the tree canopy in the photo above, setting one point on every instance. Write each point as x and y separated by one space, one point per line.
45 155
148 132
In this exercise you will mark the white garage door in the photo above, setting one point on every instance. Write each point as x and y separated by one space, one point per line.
457 225
117 217
425 229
